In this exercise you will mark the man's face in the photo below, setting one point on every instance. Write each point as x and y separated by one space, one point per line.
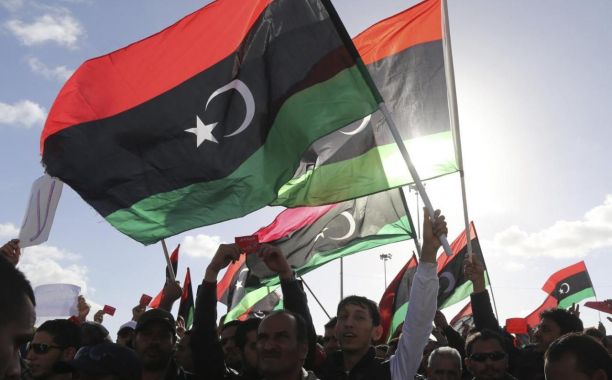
13 335
277 346
564 369
545 333
183 354
44 353
249 352
126 338
330 341
488 360
154 343
355 329
444 368
231 352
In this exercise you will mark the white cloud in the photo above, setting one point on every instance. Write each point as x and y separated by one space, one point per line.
60 73
24 113
200 245
8 231
58 26
564 239
45 264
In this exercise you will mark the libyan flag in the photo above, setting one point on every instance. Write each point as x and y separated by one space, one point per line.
570 285
404 56
186 307
207 119
313 236
454 285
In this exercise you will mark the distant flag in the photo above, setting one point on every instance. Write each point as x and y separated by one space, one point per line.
404 55
186 307
393 305
570 285
463 322
454 286
603 306
313 236
205 120
533 319
174 258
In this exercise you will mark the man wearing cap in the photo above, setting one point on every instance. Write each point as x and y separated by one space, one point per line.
125 335
154 342
106 361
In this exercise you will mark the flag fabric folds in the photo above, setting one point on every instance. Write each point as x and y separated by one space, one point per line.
207 119
533 319
463 322
186 307
454 286
404 55
570 285
393 305
174 258
313 236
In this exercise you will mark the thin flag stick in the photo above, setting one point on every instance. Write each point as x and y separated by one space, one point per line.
454 117
492 294
415 238
415 176
168 262
315 297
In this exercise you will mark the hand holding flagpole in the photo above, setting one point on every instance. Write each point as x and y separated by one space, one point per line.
415 176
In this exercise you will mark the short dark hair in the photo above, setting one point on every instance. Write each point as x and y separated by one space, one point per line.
484 334
64 332
566 321
301 328
233 322
251 324
13 287
364 302
332 323
590 355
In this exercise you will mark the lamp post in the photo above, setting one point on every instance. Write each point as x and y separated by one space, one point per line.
384 257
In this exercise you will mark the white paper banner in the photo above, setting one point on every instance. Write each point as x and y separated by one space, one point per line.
56 300
44 197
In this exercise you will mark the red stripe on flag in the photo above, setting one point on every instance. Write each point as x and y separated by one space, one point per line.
551 284
121 80
419 24
456 247
534 318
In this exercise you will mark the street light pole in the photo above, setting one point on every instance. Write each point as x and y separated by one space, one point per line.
384 257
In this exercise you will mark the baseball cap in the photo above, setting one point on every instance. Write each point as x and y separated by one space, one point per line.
130 325
156 315
108 359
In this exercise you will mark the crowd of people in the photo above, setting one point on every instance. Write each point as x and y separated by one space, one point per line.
283 345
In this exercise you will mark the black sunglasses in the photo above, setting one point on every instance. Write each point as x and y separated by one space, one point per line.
481 357
41 348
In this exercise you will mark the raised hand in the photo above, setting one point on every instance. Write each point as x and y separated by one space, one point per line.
575 309
83 308
137 311
440 320
11 251
225 255
274 259
180 327
432 228
474 271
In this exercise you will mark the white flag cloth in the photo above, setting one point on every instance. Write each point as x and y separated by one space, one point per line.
44 197
56 300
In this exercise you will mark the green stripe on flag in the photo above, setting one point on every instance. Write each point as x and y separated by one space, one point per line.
398 318
250 299
385 168
303 118
575 298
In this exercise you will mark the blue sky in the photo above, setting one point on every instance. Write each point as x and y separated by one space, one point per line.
534 92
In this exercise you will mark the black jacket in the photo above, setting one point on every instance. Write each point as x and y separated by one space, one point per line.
368 368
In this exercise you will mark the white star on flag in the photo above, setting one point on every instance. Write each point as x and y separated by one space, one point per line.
203 132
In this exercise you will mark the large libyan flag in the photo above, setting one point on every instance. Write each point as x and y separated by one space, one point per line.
207 119
404 55
313 236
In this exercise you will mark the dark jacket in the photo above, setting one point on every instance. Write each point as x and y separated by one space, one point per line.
206 348
524 363
368 368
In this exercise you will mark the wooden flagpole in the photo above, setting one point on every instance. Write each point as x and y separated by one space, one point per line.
168 262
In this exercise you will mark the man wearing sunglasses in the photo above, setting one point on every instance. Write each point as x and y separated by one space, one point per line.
55 343
487 358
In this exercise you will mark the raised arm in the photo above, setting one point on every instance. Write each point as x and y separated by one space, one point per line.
423 303
484 318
